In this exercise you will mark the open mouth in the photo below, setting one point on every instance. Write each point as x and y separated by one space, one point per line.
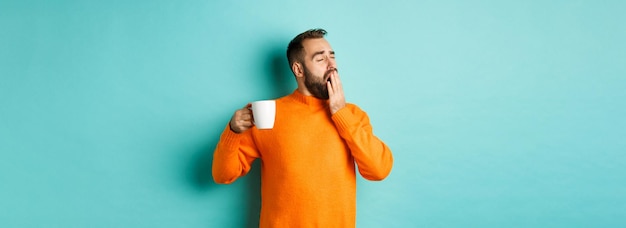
328 74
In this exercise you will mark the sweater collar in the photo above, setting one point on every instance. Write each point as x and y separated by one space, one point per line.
308 100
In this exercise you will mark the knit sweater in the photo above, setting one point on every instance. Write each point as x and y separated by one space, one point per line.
307 162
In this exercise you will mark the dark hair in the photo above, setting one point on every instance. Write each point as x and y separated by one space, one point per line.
295 48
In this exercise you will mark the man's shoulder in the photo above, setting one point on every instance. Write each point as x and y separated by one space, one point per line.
284 99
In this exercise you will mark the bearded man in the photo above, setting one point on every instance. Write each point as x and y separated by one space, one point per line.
309 158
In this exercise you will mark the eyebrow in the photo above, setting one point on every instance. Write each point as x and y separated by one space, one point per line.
321 52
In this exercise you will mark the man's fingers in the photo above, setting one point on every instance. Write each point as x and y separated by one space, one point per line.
334 87
332 84
242 119
245 117
246 123
330 89
336 81
335 93
244 112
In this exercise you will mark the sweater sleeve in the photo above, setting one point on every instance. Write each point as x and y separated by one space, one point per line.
373 157
233 156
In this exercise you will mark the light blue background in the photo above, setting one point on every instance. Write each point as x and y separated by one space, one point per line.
499 113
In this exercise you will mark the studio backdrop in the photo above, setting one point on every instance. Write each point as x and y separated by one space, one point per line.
498 113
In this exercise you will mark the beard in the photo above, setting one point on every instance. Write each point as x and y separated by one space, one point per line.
317 85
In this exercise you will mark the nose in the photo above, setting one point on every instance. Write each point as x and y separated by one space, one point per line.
331 63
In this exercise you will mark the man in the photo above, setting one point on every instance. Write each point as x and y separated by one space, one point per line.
308 159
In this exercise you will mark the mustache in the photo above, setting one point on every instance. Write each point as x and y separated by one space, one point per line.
330 71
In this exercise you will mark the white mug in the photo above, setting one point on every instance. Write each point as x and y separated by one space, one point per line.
264 113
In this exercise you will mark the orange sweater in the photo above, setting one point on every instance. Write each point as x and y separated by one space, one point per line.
307 162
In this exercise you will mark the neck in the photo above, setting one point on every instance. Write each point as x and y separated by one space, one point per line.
302 88
309 99
304 91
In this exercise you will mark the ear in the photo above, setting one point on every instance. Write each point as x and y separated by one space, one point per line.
297 69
